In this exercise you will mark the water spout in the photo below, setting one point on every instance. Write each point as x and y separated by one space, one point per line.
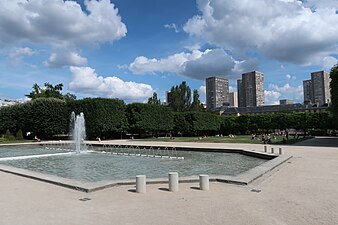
78 130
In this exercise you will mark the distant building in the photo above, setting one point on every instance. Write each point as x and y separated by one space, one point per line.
317 90
321 87
267 109
251 89
240 94
168 97
285 102
307 91
233 99
217 92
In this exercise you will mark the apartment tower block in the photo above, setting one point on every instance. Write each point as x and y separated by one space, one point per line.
217 92
251 89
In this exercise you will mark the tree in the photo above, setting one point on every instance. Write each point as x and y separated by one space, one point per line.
180 97
104 117
334 91
154 100
50 91
19 135
196 103
228 124
147 118
45 117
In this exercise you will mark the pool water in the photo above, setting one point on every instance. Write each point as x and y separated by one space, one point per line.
25 150
99 166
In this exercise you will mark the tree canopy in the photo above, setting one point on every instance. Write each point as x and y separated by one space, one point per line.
154 100
334 89
180 97
49 91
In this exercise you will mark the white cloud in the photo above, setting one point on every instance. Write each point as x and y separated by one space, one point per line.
19 52
232 89
196 64
85 80
65 58
172 26
329 62
58 23
286 88
286 91
202 93
315 4
290 77
173 63
271 97
16 56
288 31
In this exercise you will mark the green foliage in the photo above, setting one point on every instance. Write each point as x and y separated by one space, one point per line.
182 124
205 122
228 124
46 117
144 118
196 103
103 116
196 123
266 123
334 91
154 100
180 97
19 135
7 119
50 91
9 136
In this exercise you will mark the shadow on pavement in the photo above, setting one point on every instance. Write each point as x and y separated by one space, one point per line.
319 141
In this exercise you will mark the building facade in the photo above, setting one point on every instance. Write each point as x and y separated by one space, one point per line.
268 109
217 92
285 102
321 88
240 94
233 99
307 91
251 89
317 90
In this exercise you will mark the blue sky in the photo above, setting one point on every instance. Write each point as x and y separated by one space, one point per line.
128 49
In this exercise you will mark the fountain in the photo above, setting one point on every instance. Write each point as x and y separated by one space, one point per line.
78 130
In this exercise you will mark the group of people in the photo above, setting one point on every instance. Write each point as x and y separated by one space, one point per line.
266 138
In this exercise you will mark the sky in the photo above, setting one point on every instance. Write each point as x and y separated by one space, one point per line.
128 49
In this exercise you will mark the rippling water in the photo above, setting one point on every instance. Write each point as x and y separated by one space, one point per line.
98 166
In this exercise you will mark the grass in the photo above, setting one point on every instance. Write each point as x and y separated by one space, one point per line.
5 141
225 139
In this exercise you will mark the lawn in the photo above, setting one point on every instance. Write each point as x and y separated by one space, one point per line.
5 141
225 139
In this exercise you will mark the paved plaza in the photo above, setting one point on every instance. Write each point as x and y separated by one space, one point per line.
304 190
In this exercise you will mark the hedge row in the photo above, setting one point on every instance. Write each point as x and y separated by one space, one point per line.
48 117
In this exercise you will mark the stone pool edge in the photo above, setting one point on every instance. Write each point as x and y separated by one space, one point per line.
240 179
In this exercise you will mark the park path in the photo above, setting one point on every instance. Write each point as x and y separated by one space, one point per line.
301 191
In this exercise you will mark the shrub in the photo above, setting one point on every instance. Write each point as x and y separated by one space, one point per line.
19 135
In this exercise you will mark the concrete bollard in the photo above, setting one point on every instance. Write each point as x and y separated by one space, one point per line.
141 184
204 182
272 151
173 181
265 148
280 151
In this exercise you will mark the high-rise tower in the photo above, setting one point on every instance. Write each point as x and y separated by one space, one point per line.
321 87
217 92
317 90
251 89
